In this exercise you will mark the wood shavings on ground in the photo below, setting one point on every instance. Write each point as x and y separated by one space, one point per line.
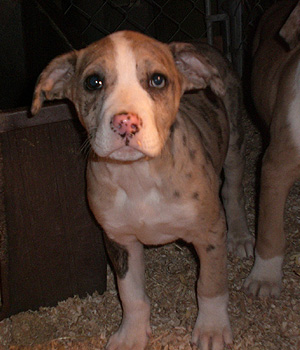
171 271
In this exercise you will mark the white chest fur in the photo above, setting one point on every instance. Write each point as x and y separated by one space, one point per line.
143 209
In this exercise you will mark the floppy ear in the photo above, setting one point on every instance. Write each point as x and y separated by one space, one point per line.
53 82
290 31
196 68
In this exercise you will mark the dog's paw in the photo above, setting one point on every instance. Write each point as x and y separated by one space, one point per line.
212 329
265 278
242 246
211 339
261 288
133 338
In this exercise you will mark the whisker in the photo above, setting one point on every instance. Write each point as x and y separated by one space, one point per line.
86 145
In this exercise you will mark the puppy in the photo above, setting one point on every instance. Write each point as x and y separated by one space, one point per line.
153 175
276 94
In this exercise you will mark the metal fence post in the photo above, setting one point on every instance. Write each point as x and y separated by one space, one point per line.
221 17
234 10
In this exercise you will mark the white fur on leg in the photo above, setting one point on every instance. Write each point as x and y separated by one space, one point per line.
212 325
265 277
134 331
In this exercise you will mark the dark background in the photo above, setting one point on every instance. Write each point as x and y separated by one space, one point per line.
32 32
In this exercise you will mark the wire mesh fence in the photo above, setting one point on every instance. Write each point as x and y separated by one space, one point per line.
43 29
165 20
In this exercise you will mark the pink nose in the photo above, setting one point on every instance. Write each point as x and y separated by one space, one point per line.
126 124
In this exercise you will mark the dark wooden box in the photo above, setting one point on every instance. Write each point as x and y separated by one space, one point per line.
50 245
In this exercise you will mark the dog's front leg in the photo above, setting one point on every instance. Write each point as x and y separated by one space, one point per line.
135 328
212 325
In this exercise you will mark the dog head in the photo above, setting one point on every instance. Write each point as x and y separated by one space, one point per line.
126 89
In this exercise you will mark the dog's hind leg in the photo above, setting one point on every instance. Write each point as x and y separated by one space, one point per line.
240 241
280 169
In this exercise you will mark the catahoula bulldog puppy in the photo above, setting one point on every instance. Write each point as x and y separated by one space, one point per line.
153 171
276 94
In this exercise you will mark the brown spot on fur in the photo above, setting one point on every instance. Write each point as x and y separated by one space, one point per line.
176 194
192 154
196 195
118 255
210 247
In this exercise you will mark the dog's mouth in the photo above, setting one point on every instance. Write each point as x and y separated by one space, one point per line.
126 153
127 147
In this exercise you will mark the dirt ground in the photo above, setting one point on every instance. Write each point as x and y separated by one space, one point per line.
171 271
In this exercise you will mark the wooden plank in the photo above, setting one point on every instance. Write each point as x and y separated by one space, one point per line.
22 118
54 246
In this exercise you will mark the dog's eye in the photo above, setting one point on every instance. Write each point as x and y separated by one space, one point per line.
93 82
157 80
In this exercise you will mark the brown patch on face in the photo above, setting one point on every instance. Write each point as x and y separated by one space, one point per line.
155 57
100 52
97 59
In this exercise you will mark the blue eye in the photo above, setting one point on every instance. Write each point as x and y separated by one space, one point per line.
94 82
157 80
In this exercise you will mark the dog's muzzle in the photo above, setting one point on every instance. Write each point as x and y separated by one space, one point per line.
126 126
